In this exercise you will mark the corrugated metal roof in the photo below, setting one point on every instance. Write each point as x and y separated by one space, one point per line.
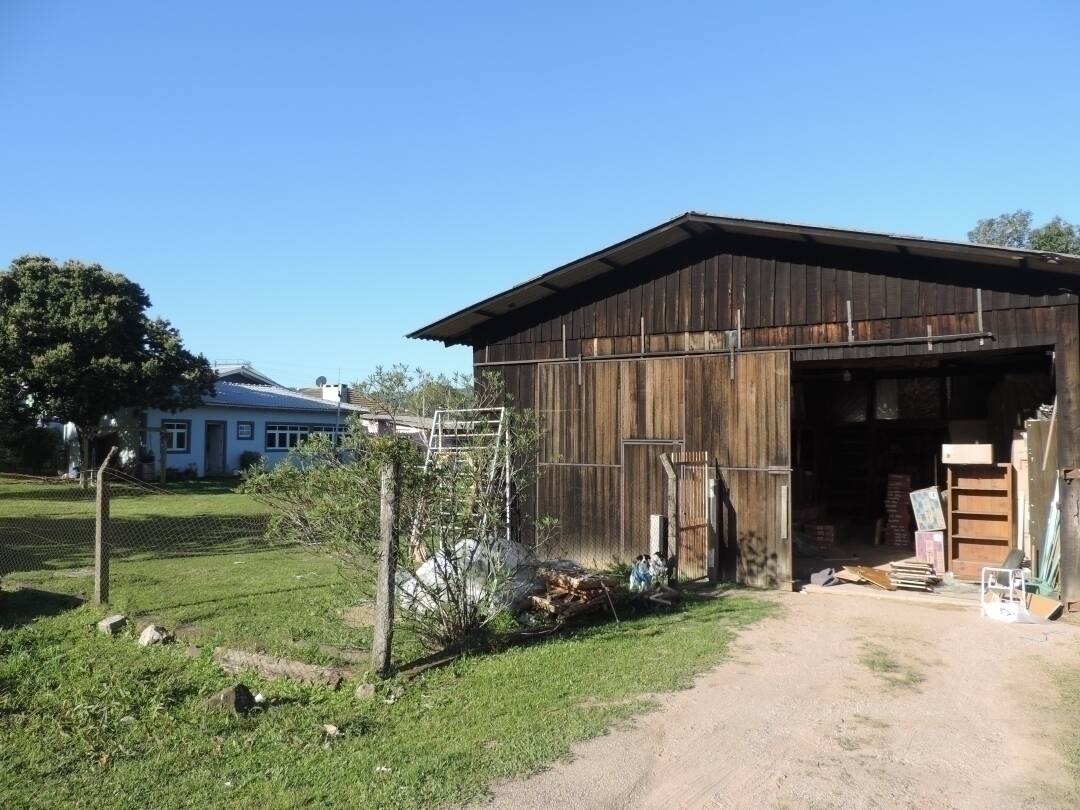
245 395
456 328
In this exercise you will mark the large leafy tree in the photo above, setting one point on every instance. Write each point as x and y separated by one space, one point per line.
1015 230
76 341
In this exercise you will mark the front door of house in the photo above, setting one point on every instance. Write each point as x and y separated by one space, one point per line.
214 463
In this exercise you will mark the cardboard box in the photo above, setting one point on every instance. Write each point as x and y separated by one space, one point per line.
967 454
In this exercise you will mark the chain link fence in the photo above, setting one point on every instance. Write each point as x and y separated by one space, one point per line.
194 556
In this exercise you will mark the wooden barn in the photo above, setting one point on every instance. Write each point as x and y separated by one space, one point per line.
782 370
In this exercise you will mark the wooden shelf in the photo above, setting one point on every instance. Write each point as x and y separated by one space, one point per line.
969 485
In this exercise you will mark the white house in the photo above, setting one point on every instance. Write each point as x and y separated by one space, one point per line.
249 412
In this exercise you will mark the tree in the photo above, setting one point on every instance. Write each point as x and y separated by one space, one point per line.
398 389
1014 230
1006 230
77 343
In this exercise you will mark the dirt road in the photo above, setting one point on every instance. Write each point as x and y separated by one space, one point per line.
843 701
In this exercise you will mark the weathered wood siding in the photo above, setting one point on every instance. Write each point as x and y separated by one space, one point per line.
783 295
685 304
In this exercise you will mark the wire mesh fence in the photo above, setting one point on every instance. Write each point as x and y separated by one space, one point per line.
193 554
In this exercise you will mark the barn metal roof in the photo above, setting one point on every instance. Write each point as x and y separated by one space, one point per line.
456 328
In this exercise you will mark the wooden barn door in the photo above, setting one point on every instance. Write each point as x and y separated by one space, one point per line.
742 410
756 486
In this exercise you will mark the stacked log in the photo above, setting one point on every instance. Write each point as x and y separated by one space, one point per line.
571 593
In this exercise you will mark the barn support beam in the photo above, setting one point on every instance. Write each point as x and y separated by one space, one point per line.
1067 374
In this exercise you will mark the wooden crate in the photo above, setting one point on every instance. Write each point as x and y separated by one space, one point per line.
981 519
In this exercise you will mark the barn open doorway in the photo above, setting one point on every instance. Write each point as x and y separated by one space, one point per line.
866 432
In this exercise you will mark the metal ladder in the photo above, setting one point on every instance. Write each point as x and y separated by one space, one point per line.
457 433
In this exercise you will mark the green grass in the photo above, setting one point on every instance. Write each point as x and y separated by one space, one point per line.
884 664
192 557
93 721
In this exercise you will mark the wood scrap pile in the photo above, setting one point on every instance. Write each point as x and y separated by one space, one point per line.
913 575
864 573
571 593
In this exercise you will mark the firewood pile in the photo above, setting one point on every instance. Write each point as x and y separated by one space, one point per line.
571 593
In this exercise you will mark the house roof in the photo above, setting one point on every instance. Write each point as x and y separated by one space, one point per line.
271 397
242 369
456 328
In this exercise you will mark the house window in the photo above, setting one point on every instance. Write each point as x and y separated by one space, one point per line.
280 437
176 433
245 431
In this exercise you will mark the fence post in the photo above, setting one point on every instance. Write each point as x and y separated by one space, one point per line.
163 469
101 533
387 562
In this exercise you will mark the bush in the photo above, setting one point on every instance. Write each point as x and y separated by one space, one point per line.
250 458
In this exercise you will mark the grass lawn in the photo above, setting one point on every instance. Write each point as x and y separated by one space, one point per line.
93 721
192 557
88 720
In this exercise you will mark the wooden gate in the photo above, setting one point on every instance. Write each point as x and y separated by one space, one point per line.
695 537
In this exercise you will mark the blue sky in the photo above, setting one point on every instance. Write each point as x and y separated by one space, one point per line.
300 184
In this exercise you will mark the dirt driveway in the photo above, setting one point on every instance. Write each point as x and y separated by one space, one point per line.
843 701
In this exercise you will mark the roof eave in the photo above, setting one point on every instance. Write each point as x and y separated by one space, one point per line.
693 224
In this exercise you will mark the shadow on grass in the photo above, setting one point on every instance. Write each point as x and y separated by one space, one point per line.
631 617
232 597
26 605
47 543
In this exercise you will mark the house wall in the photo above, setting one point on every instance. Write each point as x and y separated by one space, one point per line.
196 455
719 297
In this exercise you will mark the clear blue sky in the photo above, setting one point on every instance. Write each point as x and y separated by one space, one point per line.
301 184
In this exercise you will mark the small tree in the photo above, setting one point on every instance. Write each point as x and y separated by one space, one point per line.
327 497
77 342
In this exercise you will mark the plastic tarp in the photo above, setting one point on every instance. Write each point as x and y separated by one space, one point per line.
497 571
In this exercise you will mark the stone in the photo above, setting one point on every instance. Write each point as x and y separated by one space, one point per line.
365 691
153 634
192 651
236 699
111 625
331 730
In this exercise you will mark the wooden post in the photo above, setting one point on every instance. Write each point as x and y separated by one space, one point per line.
163 476
672 511
1067 428
101 534
384 587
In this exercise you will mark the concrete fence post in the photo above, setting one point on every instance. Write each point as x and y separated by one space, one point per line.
387 563
101 533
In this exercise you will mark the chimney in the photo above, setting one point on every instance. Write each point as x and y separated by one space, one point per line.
335 393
